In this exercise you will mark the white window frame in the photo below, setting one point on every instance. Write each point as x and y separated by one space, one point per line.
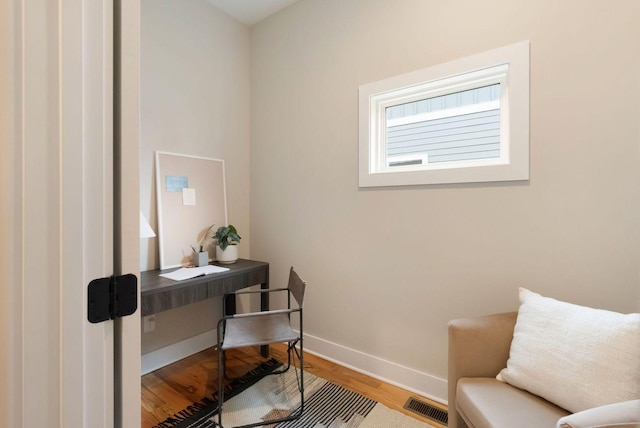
507 65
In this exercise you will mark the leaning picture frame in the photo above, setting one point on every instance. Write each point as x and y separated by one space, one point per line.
191 196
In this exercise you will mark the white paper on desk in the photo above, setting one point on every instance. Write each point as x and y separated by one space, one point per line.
188 273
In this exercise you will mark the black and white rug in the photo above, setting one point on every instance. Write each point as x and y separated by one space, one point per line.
326 406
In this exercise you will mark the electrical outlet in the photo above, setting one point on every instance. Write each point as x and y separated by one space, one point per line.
149 323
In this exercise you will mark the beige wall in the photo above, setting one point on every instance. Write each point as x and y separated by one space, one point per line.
389 266
194 101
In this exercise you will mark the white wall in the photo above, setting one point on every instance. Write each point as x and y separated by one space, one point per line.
389 267
194 101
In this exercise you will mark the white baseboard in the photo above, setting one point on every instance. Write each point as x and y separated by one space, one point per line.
177 351
407 378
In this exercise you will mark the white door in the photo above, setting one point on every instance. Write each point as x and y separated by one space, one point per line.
57 213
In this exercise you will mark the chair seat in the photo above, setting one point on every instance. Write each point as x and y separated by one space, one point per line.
257 330
487 402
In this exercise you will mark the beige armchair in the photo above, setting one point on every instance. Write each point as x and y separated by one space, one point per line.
478 350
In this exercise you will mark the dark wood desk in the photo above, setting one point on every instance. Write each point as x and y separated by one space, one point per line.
161 294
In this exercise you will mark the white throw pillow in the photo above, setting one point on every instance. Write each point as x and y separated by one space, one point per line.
574 356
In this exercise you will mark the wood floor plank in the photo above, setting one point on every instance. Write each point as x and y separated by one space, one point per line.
172 388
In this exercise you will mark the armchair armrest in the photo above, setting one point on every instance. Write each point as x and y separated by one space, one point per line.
478 347
624 414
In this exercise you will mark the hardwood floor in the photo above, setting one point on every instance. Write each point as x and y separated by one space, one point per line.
174 387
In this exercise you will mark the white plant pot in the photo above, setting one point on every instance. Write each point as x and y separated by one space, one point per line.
228 256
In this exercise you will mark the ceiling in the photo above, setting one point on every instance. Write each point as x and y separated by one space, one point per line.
251 11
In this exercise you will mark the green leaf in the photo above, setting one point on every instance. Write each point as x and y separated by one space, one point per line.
227 235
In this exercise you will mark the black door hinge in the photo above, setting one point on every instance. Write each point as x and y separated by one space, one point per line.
111 298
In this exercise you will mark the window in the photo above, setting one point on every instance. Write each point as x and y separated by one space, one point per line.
463 121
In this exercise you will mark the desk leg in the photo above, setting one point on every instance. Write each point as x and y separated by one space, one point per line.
264 306
230 304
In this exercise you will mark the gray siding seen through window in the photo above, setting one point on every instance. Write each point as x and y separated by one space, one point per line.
454 127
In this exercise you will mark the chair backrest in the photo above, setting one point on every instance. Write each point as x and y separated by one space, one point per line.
296 286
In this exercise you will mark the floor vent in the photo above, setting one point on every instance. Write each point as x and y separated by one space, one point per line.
427 410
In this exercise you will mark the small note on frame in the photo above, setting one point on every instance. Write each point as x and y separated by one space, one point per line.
188 196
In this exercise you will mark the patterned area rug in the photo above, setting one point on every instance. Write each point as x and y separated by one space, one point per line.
326 406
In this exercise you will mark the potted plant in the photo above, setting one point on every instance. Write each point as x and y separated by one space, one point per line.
201 258
227 244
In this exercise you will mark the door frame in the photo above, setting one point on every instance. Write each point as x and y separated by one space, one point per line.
128 352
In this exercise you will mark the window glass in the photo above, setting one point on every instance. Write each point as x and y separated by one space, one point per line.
463 125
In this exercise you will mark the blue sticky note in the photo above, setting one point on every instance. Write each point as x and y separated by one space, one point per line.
175 183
